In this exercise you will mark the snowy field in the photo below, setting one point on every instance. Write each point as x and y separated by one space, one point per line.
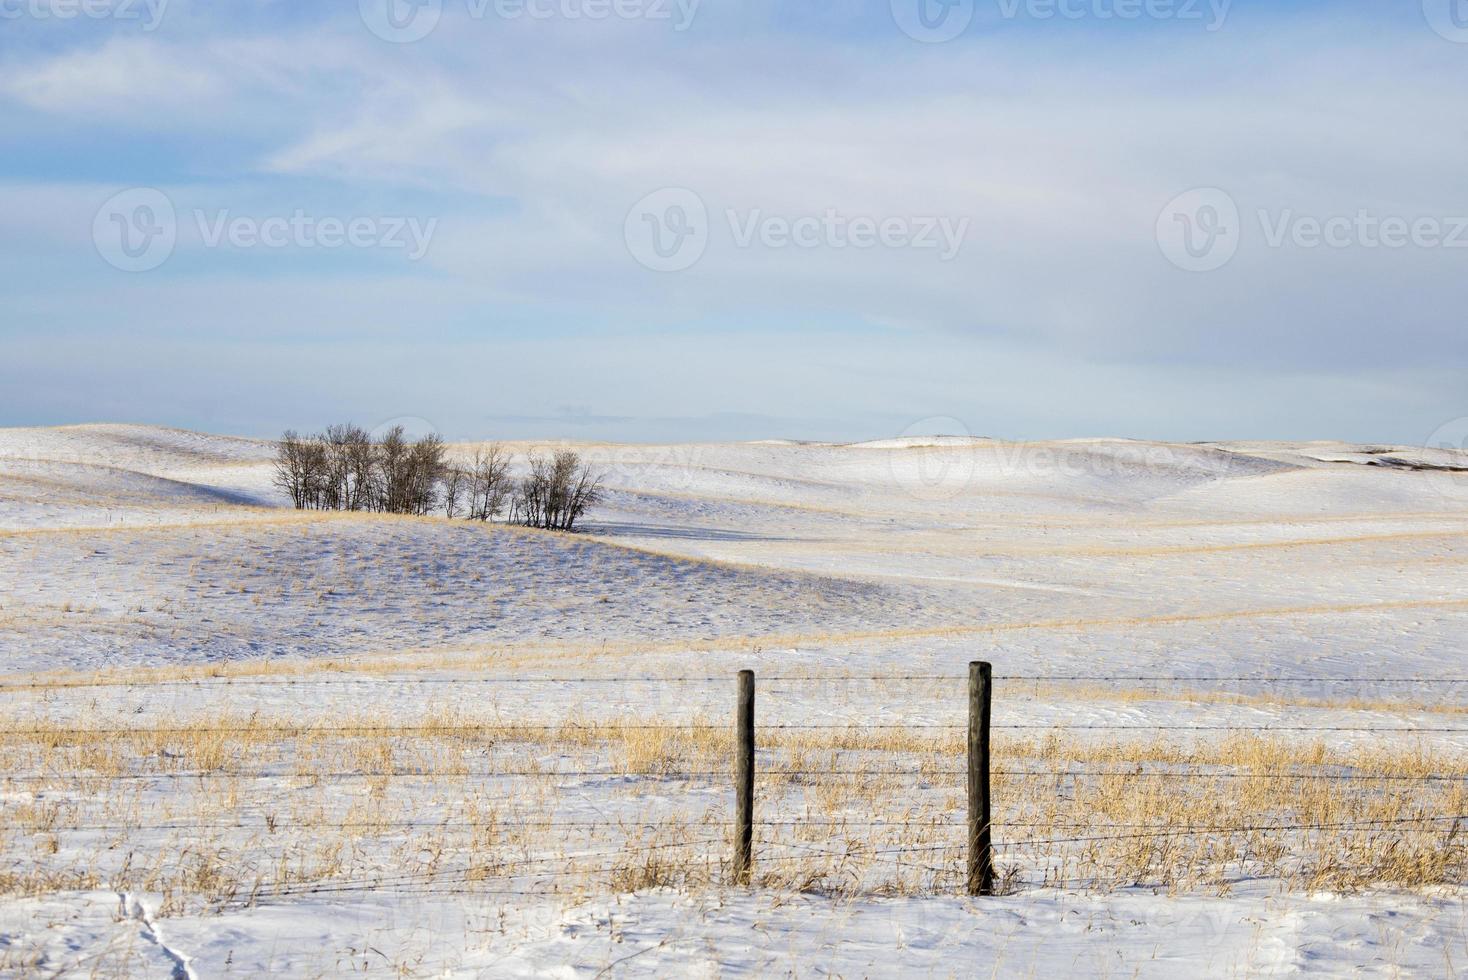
1231 714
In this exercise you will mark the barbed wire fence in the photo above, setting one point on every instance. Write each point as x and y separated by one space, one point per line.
731 846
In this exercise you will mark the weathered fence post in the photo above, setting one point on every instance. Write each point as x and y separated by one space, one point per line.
744 778
980 847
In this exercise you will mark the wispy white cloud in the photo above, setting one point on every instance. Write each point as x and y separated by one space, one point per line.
529 143
129 76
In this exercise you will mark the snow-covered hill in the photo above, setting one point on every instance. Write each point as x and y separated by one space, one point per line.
129 546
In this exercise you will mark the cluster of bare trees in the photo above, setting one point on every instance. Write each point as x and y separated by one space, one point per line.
555 492
344 468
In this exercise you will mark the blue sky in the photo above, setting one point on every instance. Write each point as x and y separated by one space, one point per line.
1073 149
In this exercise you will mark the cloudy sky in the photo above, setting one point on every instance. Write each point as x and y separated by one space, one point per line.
685 219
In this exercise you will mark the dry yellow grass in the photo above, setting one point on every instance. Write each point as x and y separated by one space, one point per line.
525 662
463 799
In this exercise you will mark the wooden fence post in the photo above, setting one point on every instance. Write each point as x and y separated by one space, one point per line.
744 779
980 847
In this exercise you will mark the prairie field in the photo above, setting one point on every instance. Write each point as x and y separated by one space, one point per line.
1230 714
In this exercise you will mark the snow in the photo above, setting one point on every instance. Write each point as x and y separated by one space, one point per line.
128 546
661 933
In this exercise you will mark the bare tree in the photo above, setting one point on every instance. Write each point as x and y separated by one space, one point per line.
340 484
532 495
390 472
317 472
302 470
489 483
344 469
362 465
583 490
290 467
557 491
426 469
455 483
349 466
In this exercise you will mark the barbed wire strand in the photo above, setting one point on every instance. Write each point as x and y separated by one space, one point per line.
718 679
681 774
356 775
511 727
